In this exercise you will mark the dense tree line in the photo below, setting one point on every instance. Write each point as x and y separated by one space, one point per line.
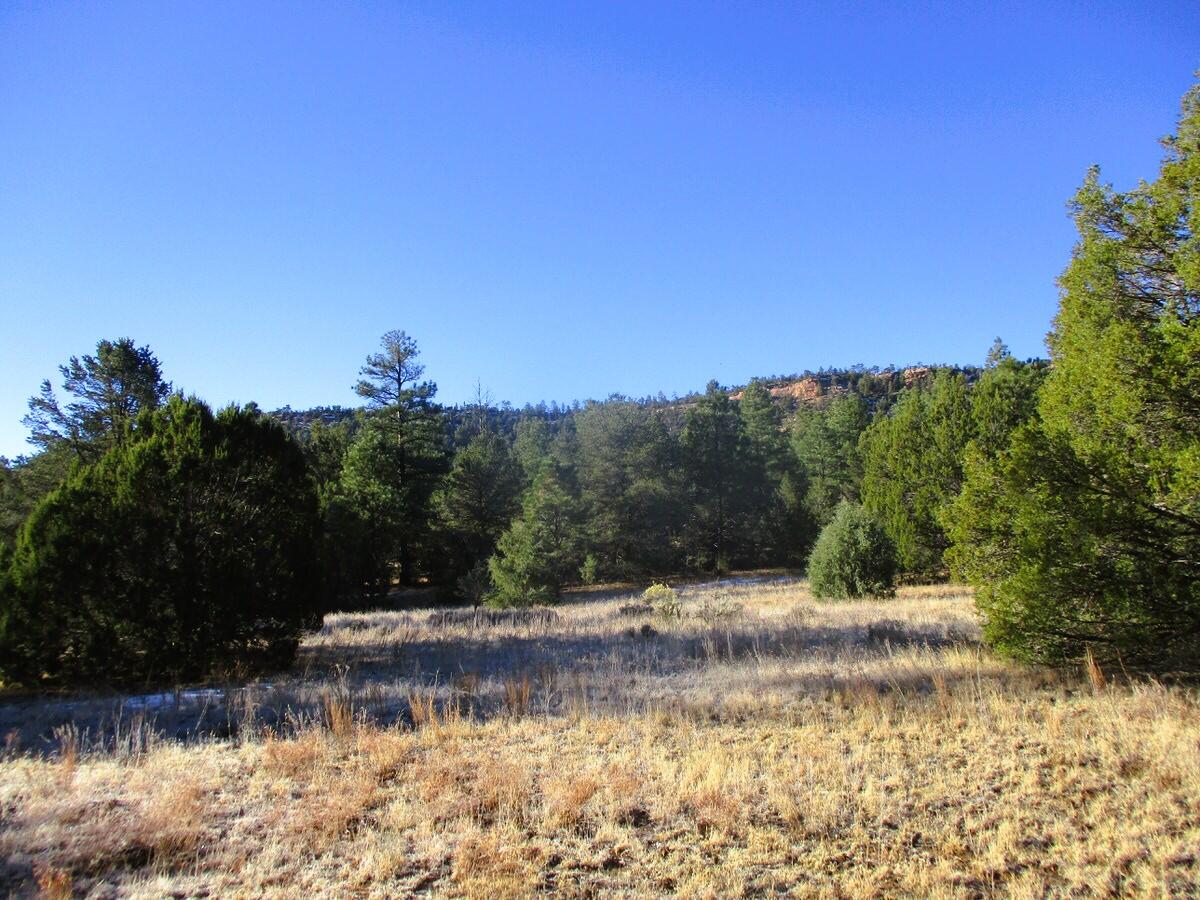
529 501
488 503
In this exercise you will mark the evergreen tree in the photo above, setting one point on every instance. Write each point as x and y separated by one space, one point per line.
779 527
25 481
325 447
912 466
480 495
853 557
629 489
187 550
389 379
109 391
996 354
366 511
531 446
825 443
713 444
394 465
544 547
1086 531
1003 399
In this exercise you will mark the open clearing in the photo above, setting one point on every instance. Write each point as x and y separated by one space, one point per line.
760 743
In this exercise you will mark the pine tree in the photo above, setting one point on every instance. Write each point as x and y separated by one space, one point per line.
544 547
630 489
912 467
479 497
825 442
1003 399
779 528
713 444
25 481
394 465
109 389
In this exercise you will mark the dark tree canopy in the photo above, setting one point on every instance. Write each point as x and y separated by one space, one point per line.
825 442
479 495
188 550
629 485
714 448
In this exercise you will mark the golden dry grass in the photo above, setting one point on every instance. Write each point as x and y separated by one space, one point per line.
862 749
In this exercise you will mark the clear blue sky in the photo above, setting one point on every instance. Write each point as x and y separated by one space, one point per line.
560 200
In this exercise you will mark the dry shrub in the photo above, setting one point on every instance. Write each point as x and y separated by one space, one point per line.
422 708
67 738
664 600
465 689
1095 674
786 803
941 687
383 751
494 863
345 783
721 608
293 758
501 792
172 821
440 781
454 787
531 617
859 692
564 800
53 883
711 790
331 807
624 802
338 713
807 807
157 819
517 690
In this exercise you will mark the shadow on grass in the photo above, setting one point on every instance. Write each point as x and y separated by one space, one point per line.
454 661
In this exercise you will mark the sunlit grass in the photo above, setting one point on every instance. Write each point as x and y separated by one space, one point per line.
854 749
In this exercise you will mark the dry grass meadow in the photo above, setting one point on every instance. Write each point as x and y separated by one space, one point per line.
758 744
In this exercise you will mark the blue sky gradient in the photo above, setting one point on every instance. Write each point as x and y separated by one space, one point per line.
559 201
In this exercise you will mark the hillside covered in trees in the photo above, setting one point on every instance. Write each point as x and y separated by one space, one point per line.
167 541
485 502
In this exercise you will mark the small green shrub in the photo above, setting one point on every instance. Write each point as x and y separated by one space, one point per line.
853 557
542 549
589 571
665 601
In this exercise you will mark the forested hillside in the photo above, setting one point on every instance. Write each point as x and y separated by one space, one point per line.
1065 490
482 501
